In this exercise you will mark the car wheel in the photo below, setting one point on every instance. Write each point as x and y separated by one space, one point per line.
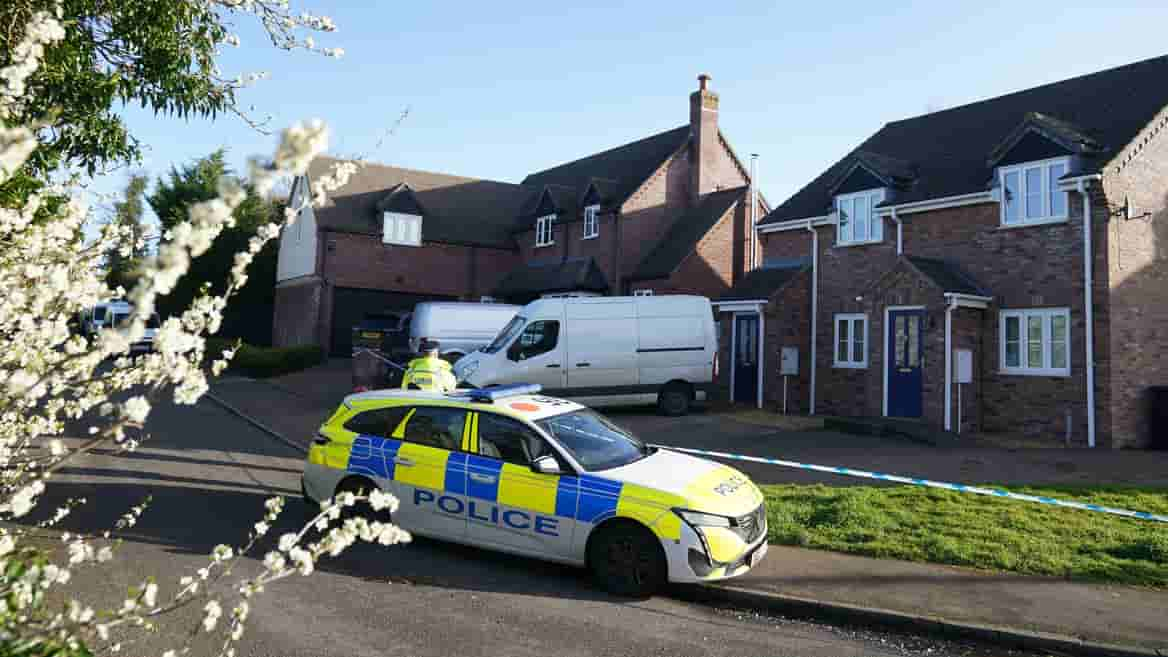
674 399
626 559
360 486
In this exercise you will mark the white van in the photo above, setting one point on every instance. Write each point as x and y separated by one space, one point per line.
114 314
459 328
605 351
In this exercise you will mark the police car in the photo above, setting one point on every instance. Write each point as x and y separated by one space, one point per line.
508 469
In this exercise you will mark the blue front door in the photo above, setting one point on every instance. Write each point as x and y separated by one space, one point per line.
746 358
905 363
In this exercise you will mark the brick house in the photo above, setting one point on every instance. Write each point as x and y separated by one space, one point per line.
997 267
667 213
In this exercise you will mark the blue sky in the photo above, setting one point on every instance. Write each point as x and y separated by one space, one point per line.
499 89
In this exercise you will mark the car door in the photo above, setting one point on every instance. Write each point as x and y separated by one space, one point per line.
537 356
372 451
430 471
511 506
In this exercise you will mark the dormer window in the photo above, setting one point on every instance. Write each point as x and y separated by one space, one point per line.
857 222
545 230
1030 193
401 229
591 221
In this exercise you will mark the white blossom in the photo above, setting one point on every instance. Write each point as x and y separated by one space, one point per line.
212 611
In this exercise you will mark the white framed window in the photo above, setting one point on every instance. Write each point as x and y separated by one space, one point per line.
404 229
545 230
851 340
1030 193
591 222
1036 341
857 222
642 293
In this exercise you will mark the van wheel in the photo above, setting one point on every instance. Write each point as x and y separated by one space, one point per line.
674 399
626 559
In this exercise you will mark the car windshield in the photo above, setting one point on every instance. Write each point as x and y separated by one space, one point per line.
508 334
593 441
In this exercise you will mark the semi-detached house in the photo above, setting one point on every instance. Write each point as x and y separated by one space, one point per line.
670 213
999 267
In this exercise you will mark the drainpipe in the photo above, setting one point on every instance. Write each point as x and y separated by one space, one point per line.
814 306
753 239
899 233
949 362
1088 310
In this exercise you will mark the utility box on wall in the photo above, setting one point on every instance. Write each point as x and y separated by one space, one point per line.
964 366
789 361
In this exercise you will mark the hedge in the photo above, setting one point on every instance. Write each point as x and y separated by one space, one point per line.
263 362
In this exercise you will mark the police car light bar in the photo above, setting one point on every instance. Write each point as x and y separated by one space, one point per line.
496 393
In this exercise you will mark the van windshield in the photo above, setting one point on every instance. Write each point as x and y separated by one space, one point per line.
593 441
508 334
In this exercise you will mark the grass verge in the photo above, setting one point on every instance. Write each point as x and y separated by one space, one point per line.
946 527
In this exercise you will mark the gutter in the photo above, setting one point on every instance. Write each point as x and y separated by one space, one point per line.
899 232
937 203
1088 302
949 363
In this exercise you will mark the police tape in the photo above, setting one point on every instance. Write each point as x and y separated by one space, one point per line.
378 356
912 481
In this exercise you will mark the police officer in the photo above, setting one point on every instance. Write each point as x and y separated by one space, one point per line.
428 371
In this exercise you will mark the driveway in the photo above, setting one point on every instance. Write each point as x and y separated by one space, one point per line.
209 472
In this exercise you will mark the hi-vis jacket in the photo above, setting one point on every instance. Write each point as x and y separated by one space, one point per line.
428 373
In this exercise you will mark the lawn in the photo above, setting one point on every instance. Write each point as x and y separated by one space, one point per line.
938 526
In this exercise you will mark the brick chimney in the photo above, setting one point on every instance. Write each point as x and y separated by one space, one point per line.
703 127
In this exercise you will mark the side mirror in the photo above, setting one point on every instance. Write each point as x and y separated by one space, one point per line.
546 465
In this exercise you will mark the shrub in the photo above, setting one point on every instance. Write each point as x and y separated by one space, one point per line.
264 362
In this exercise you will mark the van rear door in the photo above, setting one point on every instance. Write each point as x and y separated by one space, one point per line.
602 346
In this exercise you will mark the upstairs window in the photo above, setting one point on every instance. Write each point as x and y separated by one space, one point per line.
1030 193
404 229
591 221
545 230
857 221
1036 342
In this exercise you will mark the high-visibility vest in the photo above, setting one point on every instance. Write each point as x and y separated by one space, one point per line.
429 374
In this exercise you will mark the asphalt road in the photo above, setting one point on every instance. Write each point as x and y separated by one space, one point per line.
209 473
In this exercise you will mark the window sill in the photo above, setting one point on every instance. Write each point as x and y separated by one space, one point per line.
540 246
590 237
384 243
1034 224
1054 374
850 366
844 245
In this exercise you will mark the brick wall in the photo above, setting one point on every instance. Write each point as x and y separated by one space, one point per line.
647 215
297 309
787 323
362 261
1039 266
1137 277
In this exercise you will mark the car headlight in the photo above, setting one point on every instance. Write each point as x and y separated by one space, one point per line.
699 519
467 370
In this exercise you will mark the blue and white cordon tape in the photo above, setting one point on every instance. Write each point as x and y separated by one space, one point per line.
912 481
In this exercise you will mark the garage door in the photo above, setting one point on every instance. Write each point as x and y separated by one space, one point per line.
351 305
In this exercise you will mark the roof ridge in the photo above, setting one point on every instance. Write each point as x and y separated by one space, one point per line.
452 176
606 151
1107 71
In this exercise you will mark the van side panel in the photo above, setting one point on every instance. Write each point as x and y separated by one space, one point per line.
676 340
602 344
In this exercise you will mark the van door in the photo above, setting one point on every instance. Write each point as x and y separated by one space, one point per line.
602 348
536 356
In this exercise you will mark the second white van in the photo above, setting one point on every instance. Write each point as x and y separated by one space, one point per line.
605 351
459 327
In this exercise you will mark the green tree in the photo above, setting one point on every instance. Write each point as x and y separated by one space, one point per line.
249 316
122 262
158 54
